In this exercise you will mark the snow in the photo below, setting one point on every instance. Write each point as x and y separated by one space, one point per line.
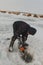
35 42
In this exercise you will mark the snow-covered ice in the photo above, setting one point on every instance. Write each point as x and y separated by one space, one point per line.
35 42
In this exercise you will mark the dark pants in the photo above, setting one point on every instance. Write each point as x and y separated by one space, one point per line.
24 38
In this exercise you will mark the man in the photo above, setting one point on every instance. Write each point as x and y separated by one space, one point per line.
21 28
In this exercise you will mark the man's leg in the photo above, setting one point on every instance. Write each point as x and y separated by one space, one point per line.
23 45
24 38
12 43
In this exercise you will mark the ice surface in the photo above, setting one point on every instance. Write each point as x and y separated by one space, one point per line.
35 42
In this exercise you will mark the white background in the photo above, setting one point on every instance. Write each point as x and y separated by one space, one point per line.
34 6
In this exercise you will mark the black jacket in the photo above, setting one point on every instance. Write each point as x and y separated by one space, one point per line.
20 27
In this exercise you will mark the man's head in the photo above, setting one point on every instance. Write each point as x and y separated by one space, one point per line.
32 31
